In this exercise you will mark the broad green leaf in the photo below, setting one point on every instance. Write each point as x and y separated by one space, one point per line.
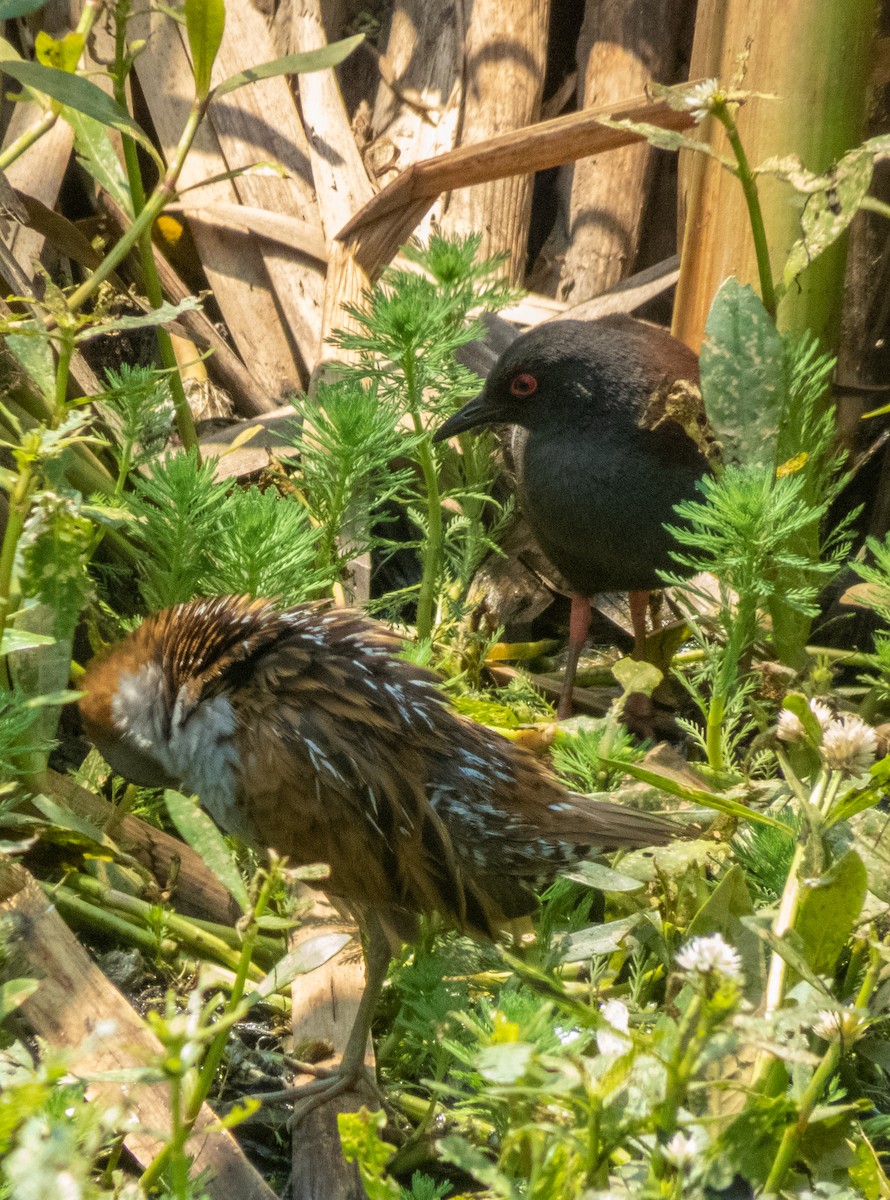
313 953
204 22
599 939
596 875
722 913
829 910
15 992
828 212
789 947
96 155
22 639
505 1063
64 819
80 94
158 316
34 351
637 676
712 800
206 840
743 375
292 64
463 1154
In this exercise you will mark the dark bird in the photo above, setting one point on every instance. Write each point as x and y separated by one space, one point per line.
300 730
616 436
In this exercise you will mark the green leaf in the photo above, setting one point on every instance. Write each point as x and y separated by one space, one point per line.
712 800
463 1154
789 947
80 94
829 211
595 875
310 955
34 351
636 676
797 703
204 21
723 912
600 939
14 993
743 375
158 316
64 819
668 139
829 911
292 64
506 1062
96 155
206 840
22 639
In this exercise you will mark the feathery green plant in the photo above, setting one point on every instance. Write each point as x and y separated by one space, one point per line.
407 334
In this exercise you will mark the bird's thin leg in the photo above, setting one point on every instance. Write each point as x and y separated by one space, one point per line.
639 606
351 1066
579 626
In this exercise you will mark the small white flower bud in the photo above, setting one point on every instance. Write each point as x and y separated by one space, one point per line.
710 955
849 745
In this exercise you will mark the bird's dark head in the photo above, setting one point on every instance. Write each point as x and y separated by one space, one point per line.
576 372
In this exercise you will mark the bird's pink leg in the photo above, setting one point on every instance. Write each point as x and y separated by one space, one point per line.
639 606
579 626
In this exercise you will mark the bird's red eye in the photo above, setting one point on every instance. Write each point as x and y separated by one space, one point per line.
524 385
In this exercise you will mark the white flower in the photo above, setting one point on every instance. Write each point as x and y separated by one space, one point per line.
611 1038
834 1025
684 1148
710 955
567 1036
848 744
700 99
790 727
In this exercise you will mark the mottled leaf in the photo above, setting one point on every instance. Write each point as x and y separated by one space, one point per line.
743 375
829 211
599 939
310 955
597 875
206 840
829 910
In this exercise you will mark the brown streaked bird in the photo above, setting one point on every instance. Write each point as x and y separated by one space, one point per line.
301 730
615 434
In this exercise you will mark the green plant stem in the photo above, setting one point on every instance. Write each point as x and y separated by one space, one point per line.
154 206
19 506
199 940
872 204
176 1146
87 19
217 1046
748 181
184 421
791 1138
17 148
714 732
95 917
432 549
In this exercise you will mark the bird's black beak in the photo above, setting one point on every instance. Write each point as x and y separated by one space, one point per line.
477 412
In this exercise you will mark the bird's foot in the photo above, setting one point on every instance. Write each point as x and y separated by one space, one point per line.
345 1078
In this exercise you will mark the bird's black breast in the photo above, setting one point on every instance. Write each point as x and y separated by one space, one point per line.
598 498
